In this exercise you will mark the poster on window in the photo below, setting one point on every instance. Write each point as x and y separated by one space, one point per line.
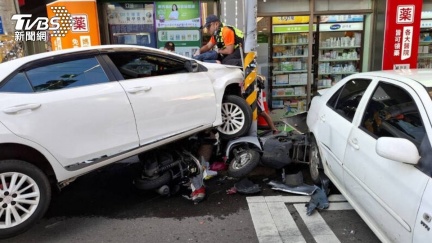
131 23
401 34
178 14
79 26
130 13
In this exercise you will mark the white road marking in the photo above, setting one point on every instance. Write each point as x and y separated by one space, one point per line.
265 227
316 225
274 223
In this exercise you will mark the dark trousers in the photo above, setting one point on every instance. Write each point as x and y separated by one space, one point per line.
233 58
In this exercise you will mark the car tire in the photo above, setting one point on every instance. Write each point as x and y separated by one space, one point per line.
27 187
245 161
315 163
153 182
236 117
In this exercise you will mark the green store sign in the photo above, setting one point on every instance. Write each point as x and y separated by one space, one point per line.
292 28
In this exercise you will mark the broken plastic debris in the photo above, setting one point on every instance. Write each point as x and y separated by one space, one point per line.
245 186
302 189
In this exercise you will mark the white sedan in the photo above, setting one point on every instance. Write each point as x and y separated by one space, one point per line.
371 133
69 112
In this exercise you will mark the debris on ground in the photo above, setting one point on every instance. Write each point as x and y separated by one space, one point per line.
244 186
318 200
302 189
293 183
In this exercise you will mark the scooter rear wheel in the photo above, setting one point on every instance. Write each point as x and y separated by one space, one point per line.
245 161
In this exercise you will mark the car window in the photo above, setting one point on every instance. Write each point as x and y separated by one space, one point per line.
392 112
347 98
17 84
67 74
425 151
137 65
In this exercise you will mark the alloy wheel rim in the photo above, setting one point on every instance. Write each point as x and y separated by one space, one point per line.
19 198
233 119
244 158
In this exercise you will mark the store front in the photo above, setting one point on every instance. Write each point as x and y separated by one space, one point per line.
152 24
425 43
309 46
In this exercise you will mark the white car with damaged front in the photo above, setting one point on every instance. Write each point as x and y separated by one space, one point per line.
69 112
371 135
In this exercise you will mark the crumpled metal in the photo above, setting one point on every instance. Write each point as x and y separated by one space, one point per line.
302 189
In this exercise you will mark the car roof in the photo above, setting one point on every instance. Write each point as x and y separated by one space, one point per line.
10 66
421 76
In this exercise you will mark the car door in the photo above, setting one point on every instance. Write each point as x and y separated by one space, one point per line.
385 192
423 224
69 106
335 122
166 98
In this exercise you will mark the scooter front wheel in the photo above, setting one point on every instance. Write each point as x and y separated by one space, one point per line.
243 163
153 182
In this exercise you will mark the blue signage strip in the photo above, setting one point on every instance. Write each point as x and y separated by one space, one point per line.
1 27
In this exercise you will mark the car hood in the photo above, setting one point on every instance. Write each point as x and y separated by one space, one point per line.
209 65
224 72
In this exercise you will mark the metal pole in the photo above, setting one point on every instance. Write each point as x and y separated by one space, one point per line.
310 49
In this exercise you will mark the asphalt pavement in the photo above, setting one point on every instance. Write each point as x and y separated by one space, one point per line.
104 206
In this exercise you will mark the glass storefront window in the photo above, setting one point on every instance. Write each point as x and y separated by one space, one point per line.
131 23
342 5
292 6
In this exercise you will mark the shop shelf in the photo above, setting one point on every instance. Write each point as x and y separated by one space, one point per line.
339 47
284 85
291 44
301 56
286 96
337 73
424 56
425 43
275 72
339 60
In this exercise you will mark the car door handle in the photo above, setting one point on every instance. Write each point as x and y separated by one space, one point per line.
18 108
354 143
135 90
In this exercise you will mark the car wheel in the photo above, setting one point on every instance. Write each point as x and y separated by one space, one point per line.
236 117
25 194
154 182
315 163
245 161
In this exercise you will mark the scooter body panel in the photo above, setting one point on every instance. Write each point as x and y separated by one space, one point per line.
253 140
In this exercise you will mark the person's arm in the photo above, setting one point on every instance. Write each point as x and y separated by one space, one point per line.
229 41
227 50
208 46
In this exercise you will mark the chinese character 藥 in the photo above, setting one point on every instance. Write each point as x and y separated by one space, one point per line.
79 23
405 14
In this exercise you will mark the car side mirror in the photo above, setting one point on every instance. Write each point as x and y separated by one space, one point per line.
192 66
397 149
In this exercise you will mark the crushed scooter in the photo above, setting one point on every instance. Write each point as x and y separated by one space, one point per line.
165 169
271 150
